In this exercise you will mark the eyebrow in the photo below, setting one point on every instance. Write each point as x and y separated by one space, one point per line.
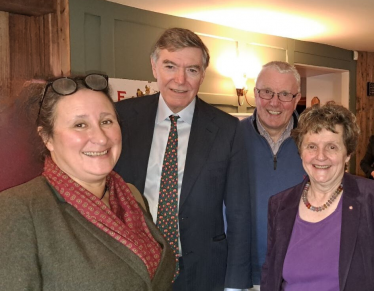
102 114
172 63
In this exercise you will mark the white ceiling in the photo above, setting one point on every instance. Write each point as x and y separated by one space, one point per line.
347 24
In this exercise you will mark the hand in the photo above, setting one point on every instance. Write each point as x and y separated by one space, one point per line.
372 174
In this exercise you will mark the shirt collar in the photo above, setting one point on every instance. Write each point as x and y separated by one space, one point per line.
286 133
185 115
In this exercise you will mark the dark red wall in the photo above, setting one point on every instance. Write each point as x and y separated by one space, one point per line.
19 144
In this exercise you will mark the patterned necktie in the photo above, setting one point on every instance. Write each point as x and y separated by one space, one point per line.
167 213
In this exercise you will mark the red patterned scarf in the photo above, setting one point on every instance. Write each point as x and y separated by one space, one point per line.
124 221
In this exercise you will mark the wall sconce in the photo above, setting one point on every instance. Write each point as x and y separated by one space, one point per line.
242 94
240 81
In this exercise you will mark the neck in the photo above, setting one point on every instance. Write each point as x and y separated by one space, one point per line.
319 192
96 188
275 134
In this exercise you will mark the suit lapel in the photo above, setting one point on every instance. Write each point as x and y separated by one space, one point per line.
138 131
350 222
202 135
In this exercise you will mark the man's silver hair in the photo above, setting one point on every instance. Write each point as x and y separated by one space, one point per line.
283 68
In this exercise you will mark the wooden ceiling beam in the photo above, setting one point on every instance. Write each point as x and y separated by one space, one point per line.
29 7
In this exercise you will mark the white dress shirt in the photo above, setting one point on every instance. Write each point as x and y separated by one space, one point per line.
156 156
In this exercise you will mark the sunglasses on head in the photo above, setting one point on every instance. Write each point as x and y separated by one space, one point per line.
66 86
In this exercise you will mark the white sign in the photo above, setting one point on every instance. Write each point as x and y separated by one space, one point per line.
124 88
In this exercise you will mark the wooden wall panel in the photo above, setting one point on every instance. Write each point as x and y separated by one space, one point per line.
364 104
32 48
4 58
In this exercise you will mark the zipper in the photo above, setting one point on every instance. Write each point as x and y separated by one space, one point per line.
275 162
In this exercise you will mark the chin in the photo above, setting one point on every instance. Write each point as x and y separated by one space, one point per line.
102 171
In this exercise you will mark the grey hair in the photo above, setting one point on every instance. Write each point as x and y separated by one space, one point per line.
174 39
283 68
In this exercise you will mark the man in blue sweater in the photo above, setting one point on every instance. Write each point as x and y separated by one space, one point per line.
273 159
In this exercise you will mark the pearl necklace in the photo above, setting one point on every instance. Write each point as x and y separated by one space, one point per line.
324 206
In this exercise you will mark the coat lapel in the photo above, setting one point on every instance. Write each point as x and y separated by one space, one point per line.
202 135
285 220
350 222
116 247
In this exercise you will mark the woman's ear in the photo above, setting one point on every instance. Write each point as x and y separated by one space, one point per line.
46 140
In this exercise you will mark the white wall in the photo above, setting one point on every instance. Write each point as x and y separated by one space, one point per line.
328 87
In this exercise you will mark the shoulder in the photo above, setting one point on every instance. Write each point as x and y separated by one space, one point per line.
30 194
31 187
215 113
365 185
138 101
289 194
218 120
247 123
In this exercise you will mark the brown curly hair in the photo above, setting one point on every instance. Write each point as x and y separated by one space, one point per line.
316 118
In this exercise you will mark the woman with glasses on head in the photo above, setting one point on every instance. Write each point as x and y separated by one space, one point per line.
78 226
321 231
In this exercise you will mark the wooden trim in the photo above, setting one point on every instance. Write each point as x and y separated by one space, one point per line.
29 7
63 21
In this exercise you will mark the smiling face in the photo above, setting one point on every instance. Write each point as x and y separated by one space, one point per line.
179 75
86 141
324 156
274 114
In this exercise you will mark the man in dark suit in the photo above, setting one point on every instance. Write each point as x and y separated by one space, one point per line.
210 167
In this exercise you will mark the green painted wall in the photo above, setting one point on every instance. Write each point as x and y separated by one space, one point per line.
117 40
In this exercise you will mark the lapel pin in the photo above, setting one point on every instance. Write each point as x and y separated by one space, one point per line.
350 207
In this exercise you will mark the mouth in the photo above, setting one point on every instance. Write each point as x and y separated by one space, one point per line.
272 112
321 167
95 154
178 91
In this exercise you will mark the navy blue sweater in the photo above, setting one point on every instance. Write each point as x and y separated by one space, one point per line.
268 175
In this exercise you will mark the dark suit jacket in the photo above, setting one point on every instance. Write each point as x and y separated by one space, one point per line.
213 174
46 244
356 261
367 163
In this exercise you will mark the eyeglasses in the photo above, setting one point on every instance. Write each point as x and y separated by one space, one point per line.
282 96
66 86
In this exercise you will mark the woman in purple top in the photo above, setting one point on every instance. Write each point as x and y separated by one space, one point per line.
321 232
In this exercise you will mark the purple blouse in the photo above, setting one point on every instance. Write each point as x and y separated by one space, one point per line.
312 259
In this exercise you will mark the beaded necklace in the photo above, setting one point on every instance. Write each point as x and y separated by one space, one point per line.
324 206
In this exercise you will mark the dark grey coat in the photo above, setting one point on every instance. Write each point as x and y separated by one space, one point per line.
46 244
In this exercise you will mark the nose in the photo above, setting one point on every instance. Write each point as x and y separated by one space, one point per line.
275 100
321 154
180 76
98 136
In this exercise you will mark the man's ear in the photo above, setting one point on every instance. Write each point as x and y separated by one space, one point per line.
297 99
153 63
